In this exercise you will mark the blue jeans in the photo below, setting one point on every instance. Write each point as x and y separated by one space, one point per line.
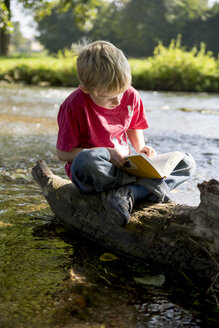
92 172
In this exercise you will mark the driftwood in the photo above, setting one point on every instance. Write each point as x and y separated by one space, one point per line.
177 237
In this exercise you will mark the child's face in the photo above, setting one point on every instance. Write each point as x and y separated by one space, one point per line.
108 100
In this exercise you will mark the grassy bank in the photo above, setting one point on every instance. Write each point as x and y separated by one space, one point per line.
170 69
46 70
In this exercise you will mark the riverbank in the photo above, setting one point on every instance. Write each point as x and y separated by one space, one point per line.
170 69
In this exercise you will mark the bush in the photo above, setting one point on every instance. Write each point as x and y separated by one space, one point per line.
175 69
171 68
54 71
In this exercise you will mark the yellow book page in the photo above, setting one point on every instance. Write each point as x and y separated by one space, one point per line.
141 168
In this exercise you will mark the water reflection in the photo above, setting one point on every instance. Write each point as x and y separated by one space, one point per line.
180 100
166 314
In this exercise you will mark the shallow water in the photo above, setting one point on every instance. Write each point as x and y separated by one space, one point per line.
53 278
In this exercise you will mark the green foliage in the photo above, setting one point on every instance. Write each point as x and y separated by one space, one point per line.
58 31
171 68
184 10
5 23
135 26
18 43
42 70
107 24
174 68
84 11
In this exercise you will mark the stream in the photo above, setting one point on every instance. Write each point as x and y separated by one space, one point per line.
51 277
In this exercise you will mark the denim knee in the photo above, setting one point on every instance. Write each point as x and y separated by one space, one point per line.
87 159
190 164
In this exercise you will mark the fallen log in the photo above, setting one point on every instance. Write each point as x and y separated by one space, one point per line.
177 237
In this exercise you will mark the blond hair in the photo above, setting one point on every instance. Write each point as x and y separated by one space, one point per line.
103 67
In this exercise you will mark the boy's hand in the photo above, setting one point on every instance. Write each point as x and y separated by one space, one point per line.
115 157
149 151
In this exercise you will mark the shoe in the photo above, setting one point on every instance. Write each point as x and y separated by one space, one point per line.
152 198
167 199
119 204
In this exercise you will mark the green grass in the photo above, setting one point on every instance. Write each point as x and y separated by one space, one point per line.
37 70
171 68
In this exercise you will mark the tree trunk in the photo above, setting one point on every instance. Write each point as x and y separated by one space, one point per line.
177 237
4 42
4 35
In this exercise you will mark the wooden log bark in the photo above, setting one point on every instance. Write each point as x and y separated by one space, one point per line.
177 237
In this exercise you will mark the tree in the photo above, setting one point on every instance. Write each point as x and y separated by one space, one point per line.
5 26
200 27
145 22
142 24
136 26
58 30
181 12
18 43
85 11
107 24
211 27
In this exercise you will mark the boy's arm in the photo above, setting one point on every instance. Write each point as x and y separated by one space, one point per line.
136 138
68 156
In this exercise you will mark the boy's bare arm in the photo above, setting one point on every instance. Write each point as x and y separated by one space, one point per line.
115 157
68 156
136 138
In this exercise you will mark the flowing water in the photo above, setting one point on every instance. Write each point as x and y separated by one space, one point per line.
50 277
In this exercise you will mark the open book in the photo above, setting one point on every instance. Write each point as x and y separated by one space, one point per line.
158 166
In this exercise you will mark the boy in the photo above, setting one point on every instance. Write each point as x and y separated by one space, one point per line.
94 124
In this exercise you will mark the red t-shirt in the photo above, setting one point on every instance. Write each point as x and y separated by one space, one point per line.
84 124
